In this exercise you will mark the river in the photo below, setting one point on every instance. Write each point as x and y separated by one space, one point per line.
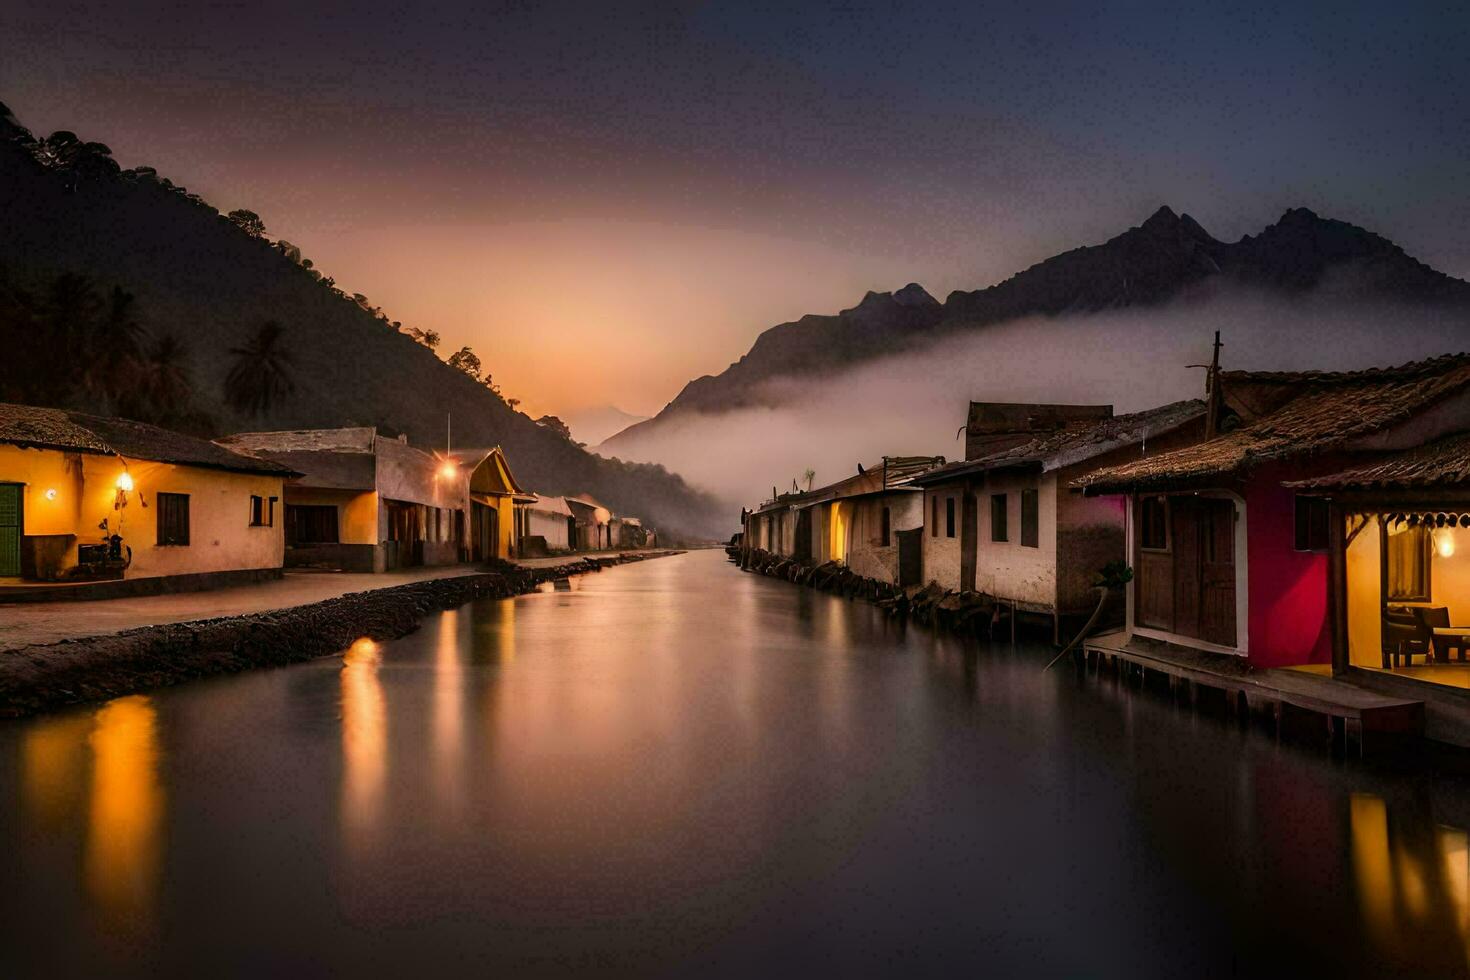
676 768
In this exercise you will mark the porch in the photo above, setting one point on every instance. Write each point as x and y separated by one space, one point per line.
1349 711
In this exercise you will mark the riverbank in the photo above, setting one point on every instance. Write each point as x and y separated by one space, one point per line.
44 676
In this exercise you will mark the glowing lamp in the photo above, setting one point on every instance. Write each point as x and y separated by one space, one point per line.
51 494
124 481
1444 543
449 471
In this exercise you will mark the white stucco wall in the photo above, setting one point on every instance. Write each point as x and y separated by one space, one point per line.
1007 568
942 553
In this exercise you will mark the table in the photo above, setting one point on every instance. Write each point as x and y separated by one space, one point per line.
1448 637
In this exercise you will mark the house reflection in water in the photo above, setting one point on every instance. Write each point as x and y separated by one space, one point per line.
126 808
1413 883
364 742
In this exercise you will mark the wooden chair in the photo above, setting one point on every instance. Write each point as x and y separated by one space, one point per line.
1404 635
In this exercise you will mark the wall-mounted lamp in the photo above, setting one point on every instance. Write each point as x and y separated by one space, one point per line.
124 481
1444 543
51 494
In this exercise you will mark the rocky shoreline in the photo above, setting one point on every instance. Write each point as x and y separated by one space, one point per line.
47 676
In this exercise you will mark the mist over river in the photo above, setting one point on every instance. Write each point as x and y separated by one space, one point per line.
676 768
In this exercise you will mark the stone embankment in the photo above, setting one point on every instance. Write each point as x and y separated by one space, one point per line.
46 676
929 604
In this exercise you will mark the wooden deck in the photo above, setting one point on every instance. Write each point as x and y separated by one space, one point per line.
1349 710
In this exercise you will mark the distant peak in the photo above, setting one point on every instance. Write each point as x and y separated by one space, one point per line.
914 295
1300 216
1163 218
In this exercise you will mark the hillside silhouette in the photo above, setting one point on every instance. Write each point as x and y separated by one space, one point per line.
120 292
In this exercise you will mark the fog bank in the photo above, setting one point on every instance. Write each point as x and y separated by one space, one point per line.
914 403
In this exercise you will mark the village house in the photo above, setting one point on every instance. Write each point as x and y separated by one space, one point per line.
497 505
1007 523
593 524
365 502
1230 538
869 522
85 498
549 526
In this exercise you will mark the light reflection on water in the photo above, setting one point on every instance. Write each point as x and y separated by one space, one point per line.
676 767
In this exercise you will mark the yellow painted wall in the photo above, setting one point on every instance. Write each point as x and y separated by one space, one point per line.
357 511
220 535
1364 591
1449 585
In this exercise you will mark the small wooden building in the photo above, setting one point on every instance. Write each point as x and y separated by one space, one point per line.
84 497
1007 524
365 502
1229 554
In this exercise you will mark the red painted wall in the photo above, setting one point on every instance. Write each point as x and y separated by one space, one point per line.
1288 588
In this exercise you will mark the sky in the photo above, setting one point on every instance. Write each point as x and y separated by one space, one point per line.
607 200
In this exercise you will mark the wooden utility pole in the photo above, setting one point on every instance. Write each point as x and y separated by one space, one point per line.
1213 401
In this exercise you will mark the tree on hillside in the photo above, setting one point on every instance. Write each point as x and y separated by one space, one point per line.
165 388
247 221
465 360
555 425
261 374
429 338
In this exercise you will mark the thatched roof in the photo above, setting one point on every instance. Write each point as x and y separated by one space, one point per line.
54 428
1077 442
1443 463
1314 411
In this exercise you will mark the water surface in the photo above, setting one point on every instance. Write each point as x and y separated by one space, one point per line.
677 768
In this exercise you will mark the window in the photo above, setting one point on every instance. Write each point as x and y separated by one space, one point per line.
933 517
998 529
173 518
1407 553
263 511
1153 520
1030 519
885 531
1311 524
311 524
949 517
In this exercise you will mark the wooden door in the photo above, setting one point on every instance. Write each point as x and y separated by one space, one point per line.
1217 572
1185 516
10 528
969 539
910 557
1187 586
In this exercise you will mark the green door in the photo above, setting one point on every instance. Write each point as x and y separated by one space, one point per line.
9 529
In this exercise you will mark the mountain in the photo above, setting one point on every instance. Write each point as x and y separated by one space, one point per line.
120 290
592 425
1167 259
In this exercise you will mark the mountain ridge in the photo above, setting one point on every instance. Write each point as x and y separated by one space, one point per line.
1165 258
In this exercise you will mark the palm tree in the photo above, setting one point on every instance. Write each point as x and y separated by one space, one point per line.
166 388
260 376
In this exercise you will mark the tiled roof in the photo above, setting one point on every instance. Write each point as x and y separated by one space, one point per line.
55 428
1322 411
1443 463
